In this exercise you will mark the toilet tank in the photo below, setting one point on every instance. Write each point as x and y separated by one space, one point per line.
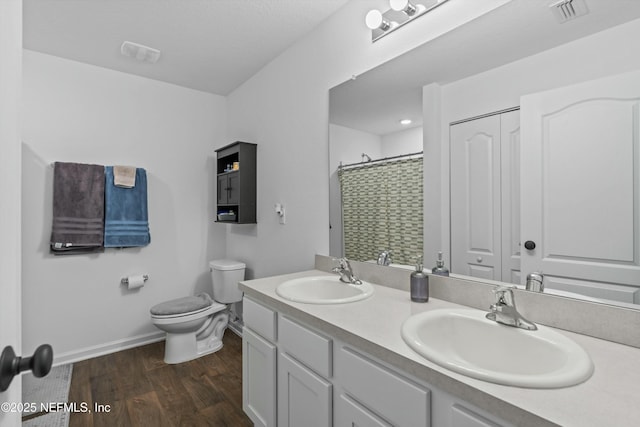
225 275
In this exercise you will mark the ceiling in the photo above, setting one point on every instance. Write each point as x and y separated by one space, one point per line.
375 101
208 45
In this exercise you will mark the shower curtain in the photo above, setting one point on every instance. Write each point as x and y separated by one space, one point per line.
382 209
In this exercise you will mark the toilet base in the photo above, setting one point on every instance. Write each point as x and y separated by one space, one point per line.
179 348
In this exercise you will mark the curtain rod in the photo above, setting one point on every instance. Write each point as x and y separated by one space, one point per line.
384 159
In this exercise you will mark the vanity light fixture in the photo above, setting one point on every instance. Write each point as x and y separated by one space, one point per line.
401 12
405 122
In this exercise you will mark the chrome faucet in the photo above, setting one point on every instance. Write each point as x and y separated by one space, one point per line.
346 272
535 282
384 257
504 310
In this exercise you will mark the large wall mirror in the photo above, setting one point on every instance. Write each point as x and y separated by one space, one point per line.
526 131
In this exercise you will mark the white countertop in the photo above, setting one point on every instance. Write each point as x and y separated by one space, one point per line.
608 398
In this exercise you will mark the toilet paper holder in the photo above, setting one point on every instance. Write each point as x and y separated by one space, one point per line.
125 280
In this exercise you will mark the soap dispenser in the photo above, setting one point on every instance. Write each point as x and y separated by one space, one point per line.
419 283
440 269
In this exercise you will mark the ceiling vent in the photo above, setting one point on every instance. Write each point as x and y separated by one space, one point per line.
566 10
140 52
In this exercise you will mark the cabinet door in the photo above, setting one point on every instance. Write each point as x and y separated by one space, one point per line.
304 398
258 379
581 183
233 185
222 189
349 414
475 198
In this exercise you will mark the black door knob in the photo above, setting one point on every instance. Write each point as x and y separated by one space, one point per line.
529 245
11 365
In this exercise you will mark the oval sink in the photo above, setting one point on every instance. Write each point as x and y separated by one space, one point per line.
323 290
464 341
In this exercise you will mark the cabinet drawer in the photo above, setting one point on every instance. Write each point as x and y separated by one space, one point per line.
392 397
348 413
259 318
463 417
310 348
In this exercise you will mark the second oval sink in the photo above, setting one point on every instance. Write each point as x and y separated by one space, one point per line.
464 341
323 290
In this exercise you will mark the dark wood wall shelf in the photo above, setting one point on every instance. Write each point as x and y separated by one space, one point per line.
236 183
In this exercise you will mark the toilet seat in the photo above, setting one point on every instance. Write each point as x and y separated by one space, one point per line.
181 308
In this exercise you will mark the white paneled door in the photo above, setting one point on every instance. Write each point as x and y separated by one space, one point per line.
485 197
10 84
581 183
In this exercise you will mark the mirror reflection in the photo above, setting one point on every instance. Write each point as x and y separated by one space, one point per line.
531 155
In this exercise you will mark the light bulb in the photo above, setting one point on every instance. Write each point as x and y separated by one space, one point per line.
403 5
375 21
398 4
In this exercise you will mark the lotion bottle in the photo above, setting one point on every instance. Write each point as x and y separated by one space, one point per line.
419 283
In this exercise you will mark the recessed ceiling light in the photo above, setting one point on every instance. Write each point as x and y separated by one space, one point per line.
405 122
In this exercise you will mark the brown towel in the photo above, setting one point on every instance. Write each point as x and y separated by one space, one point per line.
124 176
78 208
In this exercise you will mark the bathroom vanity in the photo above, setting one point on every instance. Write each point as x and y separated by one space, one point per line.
347 364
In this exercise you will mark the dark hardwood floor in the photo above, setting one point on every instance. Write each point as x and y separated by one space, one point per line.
141 390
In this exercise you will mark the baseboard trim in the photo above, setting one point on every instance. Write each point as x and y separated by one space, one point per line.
107 348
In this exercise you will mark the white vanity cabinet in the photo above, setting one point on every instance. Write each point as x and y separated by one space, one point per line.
259 364
304 398
304 366
295 375
385 397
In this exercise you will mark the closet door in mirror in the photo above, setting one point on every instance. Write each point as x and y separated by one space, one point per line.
581 186
475 198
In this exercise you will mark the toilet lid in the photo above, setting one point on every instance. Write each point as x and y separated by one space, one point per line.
182 305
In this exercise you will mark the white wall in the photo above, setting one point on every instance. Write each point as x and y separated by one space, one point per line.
602 54
81 113
284 109
402 142
346 145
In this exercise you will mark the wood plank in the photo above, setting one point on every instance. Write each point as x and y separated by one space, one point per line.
79 392
224 414
146 410
141 389
117 416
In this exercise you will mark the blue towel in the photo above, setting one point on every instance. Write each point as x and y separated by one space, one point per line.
126 216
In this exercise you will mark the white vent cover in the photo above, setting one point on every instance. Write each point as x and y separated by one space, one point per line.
140 52
566 10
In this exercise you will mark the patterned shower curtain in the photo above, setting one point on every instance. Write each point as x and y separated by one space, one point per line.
382 209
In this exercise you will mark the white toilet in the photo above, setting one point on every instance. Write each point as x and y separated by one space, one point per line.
195 325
